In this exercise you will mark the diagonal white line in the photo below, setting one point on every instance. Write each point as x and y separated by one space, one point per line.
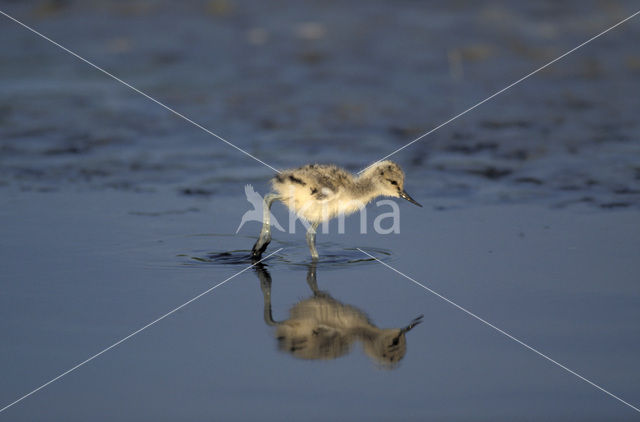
501 331
135 332
501 91
138 91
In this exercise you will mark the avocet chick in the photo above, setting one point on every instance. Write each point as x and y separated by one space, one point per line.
318 193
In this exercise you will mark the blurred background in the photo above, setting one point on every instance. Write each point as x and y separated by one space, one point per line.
114 211
347 83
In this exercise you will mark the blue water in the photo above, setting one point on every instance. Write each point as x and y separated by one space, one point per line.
114 211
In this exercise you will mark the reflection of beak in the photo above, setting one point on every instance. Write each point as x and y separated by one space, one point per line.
415 322
405 195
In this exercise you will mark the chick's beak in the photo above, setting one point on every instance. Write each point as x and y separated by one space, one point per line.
405 195
415 322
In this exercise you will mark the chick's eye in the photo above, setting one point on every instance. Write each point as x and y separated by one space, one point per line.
393 182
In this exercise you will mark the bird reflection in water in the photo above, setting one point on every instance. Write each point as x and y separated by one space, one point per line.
321 327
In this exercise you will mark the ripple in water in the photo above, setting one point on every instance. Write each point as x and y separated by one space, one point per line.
293 257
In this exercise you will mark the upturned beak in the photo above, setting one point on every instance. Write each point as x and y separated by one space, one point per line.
415 322
405 195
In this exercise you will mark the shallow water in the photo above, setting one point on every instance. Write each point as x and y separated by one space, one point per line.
564 281
344 84
115 212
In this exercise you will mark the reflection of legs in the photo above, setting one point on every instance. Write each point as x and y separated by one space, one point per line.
265 233
311 240
312 280
265 285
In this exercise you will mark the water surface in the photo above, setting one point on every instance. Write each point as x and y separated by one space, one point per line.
115 212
